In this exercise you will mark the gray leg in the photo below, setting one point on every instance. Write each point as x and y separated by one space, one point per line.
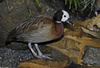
37 48
40 55
96 13
33 52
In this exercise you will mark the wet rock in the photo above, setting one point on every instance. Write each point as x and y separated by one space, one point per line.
92 55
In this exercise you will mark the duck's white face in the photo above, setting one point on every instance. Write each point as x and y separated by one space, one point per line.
65 16
62 16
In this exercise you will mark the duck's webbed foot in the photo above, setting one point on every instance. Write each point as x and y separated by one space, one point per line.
45 57
40 55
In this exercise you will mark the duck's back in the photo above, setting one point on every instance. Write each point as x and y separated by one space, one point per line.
34 30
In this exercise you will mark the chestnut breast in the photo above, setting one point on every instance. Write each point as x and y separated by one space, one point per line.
59 29
37 30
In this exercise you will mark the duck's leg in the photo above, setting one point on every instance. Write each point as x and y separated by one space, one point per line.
33 52
40 55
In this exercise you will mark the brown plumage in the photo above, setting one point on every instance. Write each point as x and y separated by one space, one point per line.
37 30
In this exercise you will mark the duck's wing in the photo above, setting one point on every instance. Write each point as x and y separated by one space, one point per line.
34 30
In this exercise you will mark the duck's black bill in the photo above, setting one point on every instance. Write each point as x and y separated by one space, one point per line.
69 22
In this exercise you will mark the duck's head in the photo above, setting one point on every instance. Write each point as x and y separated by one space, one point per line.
62 16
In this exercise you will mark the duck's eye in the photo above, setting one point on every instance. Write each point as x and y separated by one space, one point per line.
64 15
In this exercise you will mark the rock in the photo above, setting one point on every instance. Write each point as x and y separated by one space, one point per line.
1 1
19 45
92 55
31 65
60 60
11 58
71 45
13 13
82 42
93 33
91 67
92 26
67 47
74 31
97 7
36 63
74 42
73 65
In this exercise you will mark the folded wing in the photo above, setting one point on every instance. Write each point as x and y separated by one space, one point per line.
34 30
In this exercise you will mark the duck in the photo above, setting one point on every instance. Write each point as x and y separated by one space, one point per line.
40 29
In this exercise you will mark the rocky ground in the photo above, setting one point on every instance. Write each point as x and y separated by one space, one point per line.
11 58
